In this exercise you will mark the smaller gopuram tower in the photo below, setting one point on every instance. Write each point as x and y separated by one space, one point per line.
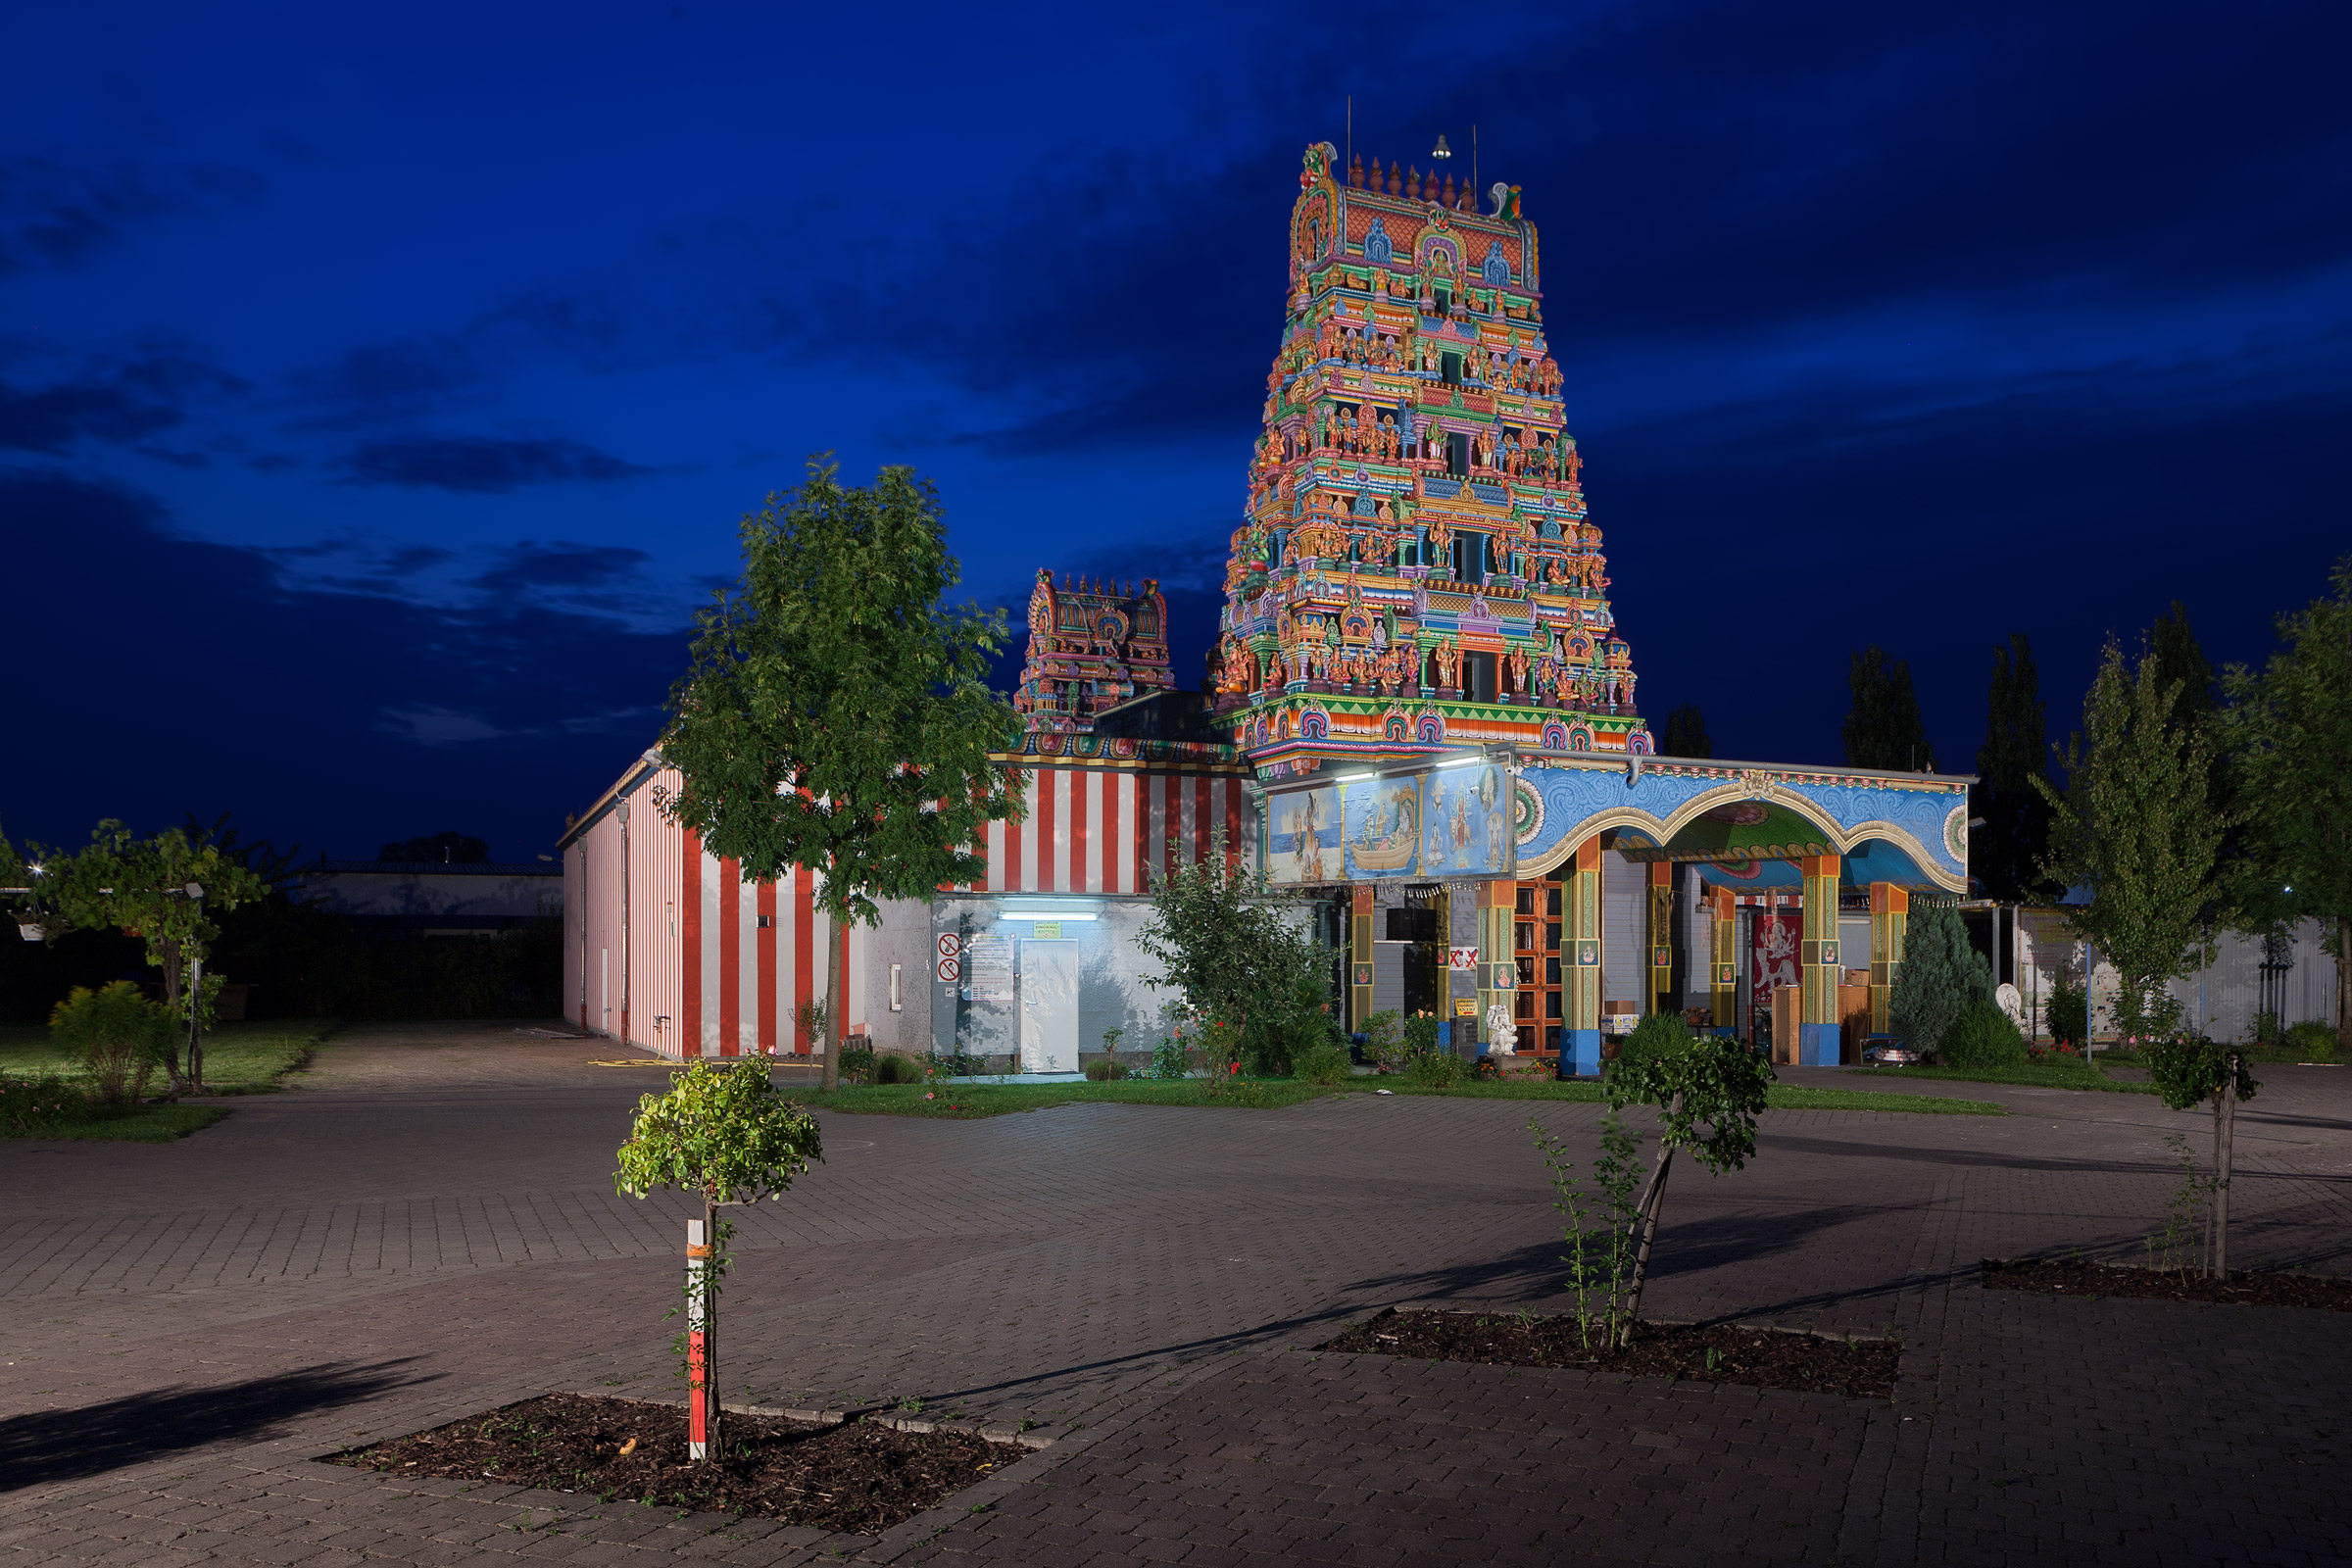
1092 646
1415 569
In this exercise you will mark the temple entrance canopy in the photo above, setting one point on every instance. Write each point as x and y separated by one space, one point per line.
1589 876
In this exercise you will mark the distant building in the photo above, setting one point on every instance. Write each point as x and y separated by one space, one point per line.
435 897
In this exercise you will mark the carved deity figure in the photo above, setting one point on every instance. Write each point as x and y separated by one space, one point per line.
1519 671
1449 664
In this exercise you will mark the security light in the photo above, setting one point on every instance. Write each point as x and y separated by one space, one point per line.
1441 150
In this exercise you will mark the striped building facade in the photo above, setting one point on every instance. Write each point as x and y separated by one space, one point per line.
672 948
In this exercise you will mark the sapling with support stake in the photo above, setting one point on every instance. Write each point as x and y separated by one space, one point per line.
2186 1073
725 1132
1708 1090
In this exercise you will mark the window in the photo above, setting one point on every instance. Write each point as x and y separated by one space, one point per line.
1479 677
1457 455
1473 557
1449 367
1445 297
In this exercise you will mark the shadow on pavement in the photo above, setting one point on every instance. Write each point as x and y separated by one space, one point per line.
52 1446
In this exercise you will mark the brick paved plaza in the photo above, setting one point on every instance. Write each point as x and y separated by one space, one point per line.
427 1228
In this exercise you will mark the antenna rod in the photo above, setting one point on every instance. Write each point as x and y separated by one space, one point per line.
1474 159
1350 164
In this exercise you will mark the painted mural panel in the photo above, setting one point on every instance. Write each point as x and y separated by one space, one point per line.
1383 823
1466 822
1302 836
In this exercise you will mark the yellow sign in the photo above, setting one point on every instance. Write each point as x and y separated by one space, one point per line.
1048 931
1465 1008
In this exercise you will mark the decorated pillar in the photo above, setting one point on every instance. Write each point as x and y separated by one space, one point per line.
1889 914
1498 968
1816 1017
1722 923
1359 955
1580 903
1661 937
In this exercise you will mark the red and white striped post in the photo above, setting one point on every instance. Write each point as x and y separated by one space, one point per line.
698 1361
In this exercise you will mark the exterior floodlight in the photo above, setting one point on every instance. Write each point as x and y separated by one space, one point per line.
1441 150
1464 761
1354 778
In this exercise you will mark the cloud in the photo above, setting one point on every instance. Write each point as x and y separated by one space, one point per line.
479 465
323 716
560 566
111 400
57 213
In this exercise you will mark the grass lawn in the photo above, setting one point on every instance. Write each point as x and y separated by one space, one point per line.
141 1124
965 1101
239 1058
2035 1076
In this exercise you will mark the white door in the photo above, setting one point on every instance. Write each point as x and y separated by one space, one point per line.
1049 1005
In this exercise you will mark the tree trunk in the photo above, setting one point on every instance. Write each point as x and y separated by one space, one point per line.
2221 1174
833 1002
172 996
2343 985
1653 1199
713 1413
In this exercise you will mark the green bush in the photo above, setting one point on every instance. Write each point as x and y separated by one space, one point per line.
1105 1070
1982 1037
1383 1034
2067 1012
1940 977
891 1068
30 1106
1169 1059
1438 1069
2312 1040
1324 1063
119 1036
857 1064
1660 1034
1421 1033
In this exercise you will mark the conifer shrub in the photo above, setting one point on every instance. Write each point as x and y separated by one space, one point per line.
889 1068
2067 1012
1939 977
1982 1037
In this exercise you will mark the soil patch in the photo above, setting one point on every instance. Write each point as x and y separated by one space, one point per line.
1713 1352
862 1477
2251 1288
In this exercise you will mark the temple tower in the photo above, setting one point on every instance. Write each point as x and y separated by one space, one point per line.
1415 570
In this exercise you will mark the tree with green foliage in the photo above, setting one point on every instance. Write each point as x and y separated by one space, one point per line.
2007 851
2288 735
1686 733
1882 729
167 891
724 1133
2186 1073
1239 953
1942 976
837 716
2134 829
1708 1090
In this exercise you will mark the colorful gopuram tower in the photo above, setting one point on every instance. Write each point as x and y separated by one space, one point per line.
1415 571
1092 646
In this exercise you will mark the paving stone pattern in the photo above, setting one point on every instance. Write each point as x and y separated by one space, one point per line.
427 1228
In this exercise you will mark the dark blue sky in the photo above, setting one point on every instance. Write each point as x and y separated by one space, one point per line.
379 389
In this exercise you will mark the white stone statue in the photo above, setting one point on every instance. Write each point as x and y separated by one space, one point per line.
1501 1035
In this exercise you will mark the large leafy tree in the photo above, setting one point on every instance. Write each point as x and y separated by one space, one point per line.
1883 728
2288 732
2007 853
2136 830
837 716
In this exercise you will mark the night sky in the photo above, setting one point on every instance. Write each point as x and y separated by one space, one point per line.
379 389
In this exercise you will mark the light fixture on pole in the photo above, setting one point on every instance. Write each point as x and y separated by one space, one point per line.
1441 150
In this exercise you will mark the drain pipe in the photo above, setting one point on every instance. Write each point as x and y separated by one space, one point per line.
623 813
583 915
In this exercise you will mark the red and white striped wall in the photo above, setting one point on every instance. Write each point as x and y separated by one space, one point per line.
670 947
